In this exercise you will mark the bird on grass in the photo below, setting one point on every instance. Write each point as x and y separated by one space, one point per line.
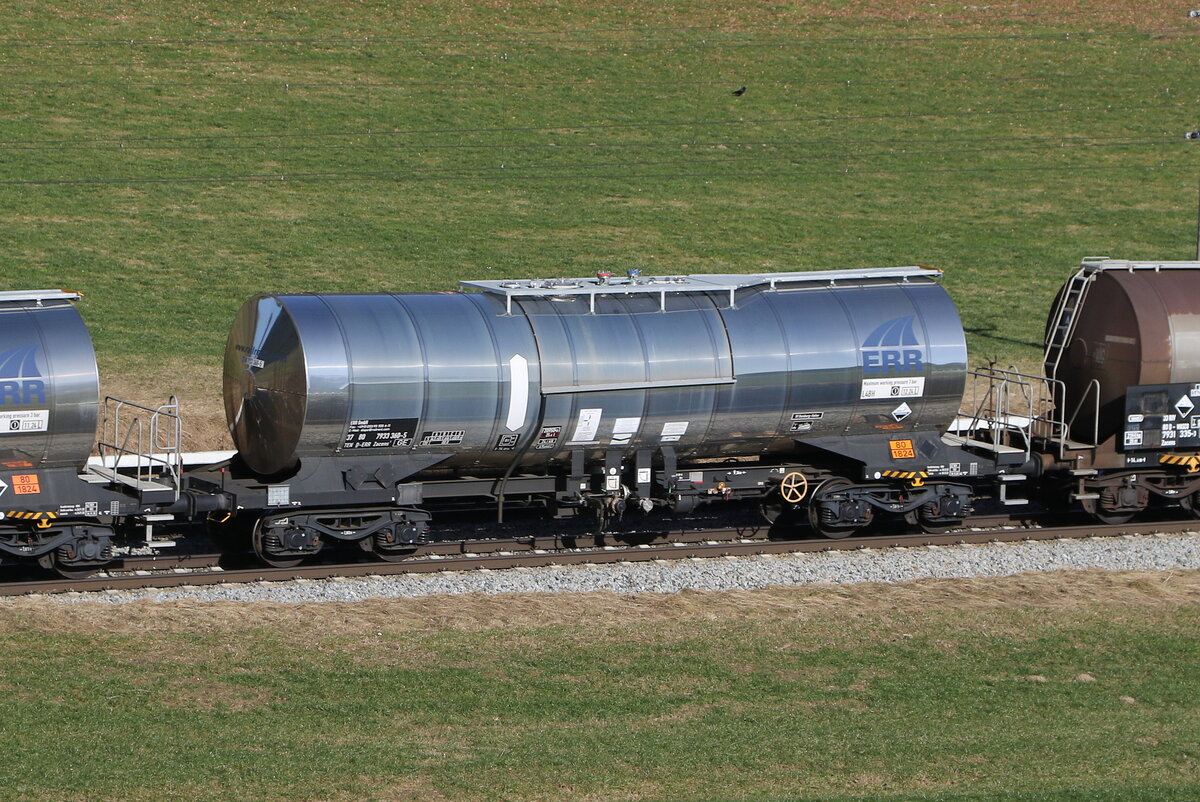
739 92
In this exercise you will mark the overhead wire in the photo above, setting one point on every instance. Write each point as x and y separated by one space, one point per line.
478 172
605 126
15 41
400 176
242 82
1063 140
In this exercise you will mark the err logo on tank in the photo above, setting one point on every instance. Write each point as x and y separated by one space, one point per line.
893 348
18 385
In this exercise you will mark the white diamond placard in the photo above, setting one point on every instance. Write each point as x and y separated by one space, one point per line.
1184 406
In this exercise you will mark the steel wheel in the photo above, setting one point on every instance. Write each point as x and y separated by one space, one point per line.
395 556
375 545
938 527
260 550
1113 517
785 519
827 488
1101 508
50 562
929 525
1191 503
773 507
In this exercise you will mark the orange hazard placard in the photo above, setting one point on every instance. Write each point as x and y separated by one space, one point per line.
26 484
902 449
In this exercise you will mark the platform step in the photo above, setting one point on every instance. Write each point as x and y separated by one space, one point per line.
141 486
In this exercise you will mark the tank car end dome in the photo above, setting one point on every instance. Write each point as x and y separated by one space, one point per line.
265 385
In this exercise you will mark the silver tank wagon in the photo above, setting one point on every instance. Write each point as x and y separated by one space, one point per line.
531 371
49 383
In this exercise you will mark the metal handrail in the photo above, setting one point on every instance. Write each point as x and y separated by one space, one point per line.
164 455
996 410
1093 385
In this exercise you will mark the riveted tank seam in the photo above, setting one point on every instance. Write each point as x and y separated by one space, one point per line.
351 384
473 300
711 305
768 300
855 338
647 371
51 426
919 414
424 410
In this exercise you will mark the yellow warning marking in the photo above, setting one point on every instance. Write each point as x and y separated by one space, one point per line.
916 477
22 515
1189 461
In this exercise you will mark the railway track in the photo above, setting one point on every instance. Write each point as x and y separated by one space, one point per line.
496 554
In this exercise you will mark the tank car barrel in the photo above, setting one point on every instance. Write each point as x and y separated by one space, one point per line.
534 370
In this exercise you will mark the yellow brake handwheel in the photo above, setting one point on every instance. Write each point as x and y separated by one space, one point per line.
794 487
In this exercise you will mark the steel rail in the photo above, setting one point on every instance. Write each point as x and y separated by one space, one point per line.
525 553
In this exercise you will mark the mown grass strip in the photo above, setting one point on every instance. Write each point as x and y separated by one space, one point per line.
1070 686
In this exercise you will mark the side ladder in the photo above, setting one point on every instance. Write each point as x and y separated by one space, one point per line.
1065 316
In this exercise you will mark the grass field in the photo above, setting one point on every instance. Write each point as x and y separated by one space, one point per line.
1060 687
171 160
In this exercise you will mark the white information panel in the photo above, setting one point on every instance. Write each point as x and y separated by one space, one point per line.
893 388
29 420
586 426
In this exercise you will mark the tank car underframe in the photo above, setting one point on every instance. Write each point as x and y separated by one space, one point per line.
59 543
385 508
69 521
1116 496
285 539
839 507
356 500
1112 485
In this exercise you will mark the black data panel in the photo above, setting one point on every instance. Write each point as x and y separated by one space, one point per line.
1162 416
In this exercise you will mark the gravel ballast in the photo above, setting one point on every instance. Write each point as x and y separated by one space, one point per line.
1145 553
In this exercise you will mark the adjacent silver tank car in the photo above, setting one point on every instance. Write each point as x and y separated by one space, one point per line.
528 372
49 383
